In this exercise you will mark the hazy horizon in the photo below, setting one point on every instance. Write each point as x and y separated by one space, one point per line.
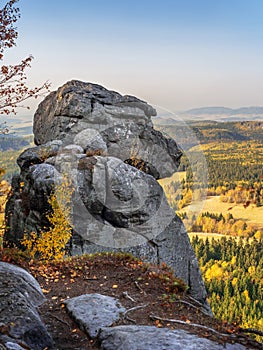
27 116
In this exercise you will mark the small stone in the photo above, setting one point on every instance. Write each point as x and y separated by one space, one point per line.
91 141
74 149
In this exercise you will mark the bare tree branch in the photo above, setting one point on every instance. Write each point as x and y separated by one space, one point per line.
153 317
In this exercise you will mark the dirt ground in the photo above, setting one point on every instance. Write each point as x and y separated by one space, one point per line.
151 294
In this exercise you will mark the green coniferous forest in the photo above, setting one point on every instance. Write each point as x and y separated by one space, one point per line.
233 273
227 235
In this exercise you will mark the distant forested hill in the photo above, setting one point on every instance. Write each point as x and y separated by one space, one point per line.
210 131
11 145
225 111
12 142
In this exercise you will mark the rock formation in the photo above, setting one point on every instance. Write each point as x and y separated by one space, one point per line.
20 295
106 144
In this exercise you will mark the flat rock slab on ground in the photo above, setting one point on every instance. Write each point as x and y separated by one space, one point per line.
94 311
149 338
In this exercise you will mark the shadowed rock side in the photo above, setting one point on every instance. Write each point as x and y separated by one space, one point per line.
106 145
20 295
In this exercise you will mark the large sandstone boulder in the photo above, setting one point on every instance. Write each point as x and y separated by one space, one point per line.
77 106
20 295
98 119
106 145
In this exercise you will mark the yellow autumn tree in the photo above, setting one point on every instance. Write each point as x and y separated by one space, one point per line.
4 190
51 244
214 272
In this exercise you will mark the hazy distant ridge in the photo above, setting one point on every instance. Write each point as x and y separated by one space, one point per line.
224 110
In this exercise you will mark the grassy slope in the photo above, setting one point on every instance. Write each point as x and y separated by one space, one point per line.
251 215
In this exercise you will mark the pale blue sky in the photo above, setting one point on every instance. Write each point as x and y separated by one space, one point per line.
178 54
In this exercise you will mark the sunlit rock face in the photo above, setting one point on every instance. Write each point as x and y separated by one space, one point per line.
98 119
106 145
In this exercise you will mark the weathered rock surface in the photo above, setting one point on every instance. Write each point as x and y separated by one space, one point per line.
36 155
97 119
20 295
149 338
94 311
115 207
125 206
106 145
27 208
9 345
78 105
